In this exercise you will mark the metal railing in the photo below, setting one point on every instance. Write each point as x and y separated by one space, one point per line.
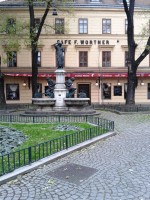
14 160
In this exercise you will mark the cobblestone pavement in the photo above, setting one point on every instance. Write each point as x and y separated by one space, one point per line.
122 165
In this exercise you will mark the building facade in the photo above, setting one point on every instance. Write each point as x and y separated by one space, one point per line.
94 37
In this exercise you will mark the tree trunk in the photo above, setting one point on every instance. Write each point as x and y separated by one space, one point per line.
2 94
132 84
34 71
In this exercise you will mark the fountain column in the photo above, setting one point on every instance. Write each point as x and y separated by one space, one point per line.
60 90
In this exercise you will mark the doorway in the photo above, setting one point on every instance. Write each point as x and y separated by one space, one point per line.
85 88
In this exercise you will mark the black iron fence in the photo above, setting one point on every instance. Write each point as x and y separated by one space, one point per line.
123 108
14 160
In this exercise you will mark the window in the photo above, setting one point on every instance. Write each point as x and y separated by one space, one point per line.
126 26
148 90
39 58
83 26
83 58
11 26
12 59
0 61
12 91
37 23
59 26
106 59
117 90
106 90
106 26
126 59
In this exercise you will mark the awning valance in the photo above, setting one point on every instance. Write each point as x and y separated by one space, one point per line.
82 75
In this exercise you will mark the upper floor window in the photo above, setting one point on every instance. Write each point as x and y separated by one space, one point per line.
83 26
83 58
126 26
12 59
106 59
37 23
59 26
106 26
11 26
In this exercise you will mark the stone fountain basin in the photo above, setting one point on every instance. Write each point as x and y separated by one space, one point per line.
76 101
44 101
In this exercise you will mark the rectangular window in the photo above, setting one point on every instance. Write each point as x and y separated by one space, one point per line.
83 26
39 58
83 58
148 90
11 59
59 26
106 59
126 59
126 26
11 26
117 90
106 90
12 91
106 26
37 23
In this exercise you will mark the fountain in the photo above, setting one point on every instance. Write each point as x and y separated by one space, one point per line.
60 94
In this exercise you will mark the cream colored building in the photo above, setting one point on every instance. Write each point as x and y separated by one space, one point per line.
95 43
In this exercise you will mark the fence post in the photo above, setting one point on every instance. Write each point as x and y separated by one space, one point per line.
29 155
90 133
66 141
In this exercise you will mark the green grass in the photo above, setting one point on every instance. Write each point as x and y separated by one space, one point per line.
38 133
42 140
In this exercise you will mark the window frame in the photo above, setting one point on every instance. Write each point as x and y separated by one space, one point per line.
11 26
117 93
11 60
61 22
106 91
12 93
106 56
126 55
106 26
37 24
83 59
83 25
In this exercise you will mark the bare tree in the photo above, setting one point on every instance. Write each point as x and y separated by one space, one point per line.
132 62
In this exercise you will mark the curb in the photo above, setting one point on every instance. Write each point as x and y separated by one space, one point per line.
28 168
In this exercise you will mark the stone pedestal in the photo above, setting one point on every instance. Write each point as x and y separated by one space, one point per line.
60 90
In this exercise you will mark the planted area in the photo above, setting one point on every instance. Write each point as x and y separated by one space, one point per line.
44 140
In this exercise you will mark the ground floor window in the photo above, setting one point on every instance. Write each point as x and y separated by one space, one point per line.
117 90
106 90
148 90
12 91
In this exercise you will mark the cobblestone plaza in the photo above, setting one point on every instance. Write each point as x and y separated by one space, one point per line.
118 168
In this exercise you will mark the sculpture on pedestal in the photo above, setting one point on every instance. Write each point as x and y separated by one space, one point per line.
51 85
71 90
59 55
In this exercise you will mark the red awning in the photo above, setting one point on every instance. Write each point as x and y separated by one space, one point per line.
83 75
